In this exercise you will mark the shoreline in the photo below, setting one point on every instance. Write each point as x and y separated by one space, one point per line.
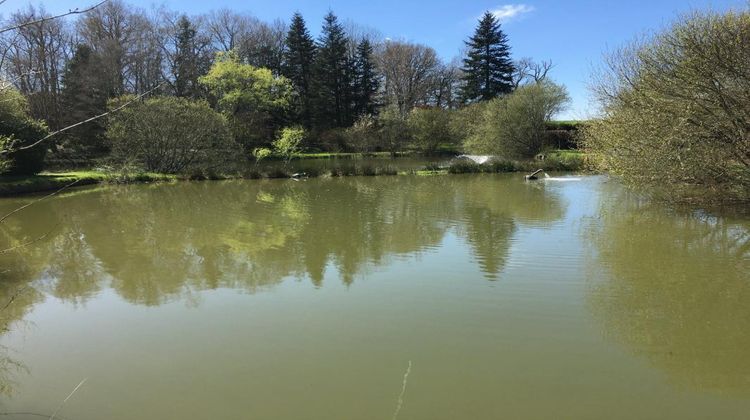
13 186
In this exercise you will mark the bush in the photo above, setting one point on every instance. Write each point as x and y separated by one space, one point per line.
394 130
334 140
363 136
513 126
171 135
464 167
430 128
17 130
289 142
675 110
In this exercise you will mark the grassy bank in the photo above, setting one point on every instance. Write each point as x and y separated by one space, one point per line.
16 185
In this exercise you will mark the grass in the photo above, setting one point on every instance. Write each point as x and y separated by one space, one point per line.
24 184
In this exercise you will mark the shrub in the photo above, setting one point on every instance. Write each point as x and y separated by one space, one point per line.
289 142
363 136
430 128
17 130
675 109
170 135
513 126
260 153
334 140
394 130
464 167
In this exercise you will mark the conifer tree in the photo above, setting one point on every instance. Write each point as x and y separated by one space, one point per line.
333 76
366 82
488 68
85 93
299 58
188 64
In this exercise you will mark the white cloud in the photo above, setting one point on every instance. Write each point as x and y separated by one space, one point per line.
508 12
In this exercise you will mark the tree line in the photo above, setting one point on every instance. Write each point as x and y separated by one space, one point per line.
347 89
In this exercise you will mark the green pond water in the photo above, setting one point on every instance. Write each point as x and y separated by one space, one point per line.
446 297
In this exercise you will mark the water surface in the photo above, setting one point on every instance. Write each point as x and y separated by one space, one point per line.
372 298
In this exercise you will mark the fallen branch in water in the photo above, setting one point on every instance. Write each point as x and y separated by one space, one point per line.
66 399
403 391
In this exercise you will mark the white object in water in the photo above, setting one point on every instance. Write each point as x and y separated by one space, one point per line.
561 179
480 159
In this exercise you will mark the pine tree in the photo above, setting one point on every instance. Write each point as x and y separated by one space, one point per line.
366 82
85 92
299 58
188 64
333 74
488 68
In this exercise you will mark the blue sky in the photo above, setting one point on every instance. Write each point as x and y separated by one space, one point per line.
573 34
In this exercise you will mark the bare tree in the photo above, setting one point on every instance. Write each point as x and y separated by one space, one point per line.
409 72
33 60
263 45
227 29
529 71
201 51
446 85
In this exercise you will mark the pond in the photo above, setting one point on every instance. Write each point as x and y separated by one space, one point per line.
444 297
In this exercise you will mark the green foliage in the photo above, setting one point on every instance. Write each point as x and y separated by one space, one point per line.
513 126
299 59
675 110
366 83
255 101
430 128
17 130
289 142
394 130
571 125
488 68
170 135
84 95
333 76
189 63
261 153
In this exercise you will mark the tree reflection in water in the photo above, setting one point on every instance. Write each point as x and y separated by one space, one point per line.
675 289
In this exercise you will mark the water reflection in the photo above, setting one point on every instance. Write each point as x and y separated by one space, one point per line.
675 289
153 244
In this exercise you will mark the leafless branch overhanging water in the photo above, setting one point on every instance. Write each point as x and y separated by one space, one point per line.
94 118
76 11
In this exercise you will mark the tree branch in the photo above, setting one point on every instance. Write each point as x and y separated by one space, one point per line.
48 18
39 200
70 127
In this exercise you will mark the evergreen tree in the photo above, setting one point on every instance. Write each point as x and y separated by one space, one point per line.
366 82
85 92
299 58
188 64
333 75
488 68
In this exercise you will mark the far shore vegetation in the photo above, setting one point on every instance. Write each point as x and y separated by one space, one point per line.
221 95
